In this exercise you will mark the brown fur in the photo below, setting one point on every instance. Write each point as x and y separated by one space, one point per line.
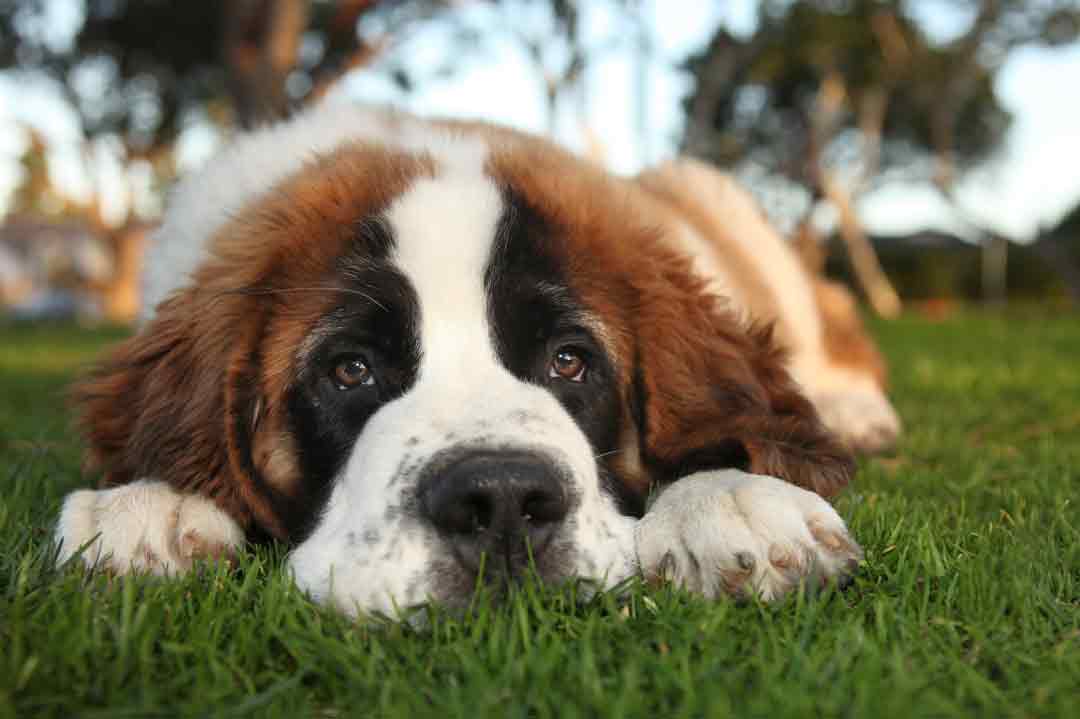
717 394
704 390
667 186
717 209
846 341
196 397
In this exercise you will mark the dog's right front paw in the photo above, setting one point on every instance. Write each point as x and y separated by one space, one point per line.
144 526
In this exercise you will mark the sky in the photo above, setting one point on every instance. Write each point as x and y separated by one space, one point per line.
1032 182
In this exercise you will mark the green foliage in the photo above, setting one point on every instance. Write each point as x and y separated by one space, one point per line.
968 603
763 106
146 62
139 67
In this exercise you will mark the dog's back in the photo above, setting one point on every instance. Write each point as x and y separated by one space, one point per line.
718 224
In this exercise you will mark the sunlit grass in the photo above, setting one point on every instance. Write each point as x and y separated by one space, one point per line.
968 603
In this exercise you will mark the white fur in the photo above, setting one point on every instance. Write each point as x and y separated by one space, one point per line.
728 532
144 526
463 396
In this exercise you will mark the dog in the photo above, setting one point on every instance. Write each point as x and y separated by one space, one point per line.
431 354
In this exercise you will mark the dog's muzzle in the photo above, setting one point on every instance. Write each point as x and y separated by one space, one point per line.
498 510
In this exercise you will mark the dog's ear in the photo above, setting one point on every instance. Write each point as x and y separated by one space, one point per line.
179 402
712 392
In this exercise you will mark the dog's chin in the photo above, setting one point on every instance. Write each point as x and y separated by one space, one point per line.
444 584
569 575
460 594
466 596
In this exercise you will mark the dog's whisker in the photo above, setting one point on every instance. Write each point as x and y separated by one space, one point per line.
289 290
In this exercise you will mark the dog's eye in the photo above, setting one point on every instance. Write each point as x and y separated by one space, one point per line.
568 364
352 371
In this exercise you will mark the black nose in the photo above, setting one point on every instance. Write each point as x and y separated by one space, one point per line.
497 507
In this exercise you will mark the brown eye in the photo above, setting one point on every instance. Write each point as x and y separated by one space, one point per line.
352 372
569 365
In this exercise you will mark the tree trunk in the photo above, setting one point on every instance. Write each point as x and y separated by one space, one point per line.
260 46
995 257
864 261
121 296
832 95
724 57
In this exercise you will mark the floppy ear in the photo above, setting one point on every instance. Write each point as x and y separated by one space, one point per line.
178 402
712 392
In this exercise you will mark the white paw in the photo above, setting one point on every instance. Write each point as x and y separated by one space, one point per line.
144 526
728 532
864 420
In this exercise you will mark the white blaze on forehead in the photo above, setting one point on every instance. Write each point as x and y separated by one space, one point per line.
444 229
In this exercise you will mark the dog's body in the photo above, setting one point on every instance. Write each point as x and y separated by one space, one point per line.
757 273
426 353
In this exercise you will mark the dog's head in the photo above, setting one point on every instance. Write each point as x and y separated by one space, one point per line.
430 361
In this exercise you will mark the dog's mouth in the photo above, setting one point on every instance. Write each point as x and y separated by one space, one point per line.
486 516
498 579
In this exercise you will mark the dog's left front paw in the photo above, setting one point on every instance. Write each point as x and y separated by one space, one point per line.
728 532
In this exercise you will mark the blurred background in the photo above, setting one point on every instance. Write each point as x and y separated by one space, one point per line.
927 151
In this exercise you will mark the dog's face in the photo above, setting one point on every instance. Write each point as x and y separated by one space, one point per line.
457 403
432 367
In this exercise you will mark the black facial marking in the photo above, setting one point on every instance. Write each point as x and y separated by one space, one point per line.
534 313
375 319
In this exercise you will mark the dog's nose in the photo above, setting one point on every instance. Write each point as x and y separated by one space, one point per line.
497 507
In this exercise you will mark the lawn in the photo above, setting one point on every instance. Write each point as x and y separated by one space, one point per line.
968 603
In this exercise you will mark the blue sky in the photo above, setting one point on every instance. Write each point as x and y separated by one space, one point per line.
1033 181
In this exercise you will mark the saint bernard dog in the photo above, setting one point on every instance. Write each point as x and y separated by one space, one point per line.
428 355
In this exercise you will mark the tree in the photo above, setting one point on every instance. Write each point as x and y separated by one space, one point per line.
138 67
560 52
136 70
551 37
999 25
842 97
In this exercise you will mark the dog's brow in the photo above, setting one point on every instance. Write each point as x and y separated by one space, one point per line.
553 291
376 233
326 326
291 290
562 299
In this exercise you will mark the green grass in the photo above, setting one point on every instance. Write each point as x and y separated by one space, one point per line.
968 603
